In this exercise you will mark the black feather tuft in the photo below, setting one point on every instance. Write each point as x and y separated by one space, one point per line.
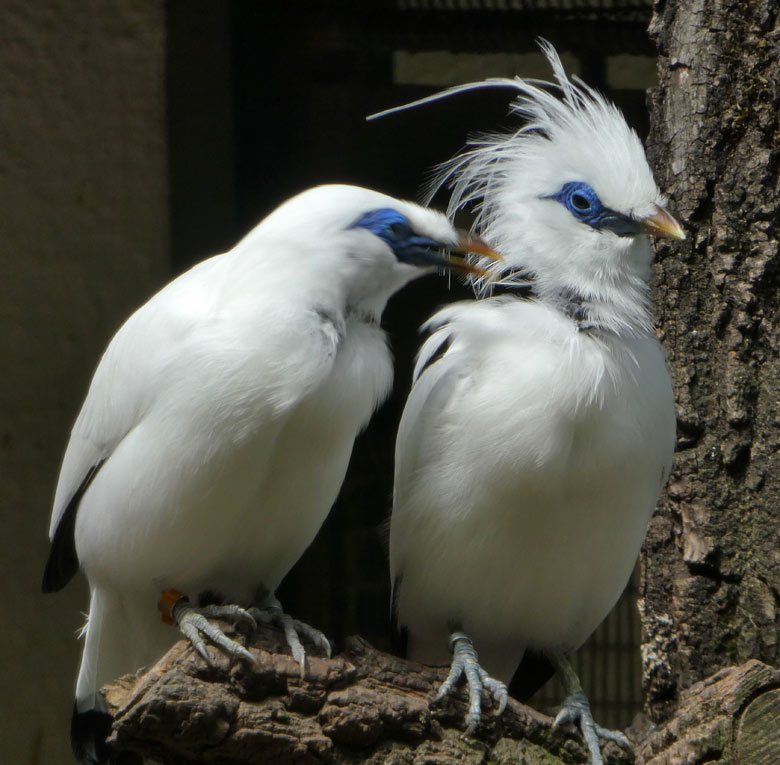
437 354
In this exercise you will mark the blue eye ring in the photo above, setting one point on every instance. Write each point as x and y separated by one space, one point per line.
584 204
581 201
398 229
395 230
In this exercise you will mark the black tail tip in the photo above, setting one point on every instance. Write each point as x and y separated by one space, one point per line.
88 734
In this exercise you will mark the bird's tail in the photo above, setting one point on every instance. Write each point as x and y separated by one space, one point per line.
88 733
119 637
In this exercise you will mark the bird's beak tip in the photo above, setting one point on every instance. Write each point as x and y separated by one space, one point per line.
468 242
662 223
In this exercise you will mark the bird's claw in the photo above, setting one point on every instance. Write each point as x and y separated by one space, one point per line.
576 711
465 663
293 631
194 624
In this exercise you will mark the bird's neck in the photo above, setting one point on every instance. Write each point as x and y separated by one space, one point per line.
365 300
624 312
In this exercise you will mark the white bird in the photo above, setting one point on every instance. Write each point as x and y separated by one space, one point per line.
540 428
218 426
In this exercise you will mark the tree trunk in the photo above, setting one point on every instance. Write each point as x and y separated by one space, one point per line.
711 564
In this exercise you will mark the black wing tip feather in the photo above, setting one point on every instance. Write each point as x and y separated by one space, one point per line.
399 633
63 560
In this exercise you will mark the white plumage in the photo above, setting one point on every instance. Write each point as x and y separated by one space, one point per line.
218 426
539 430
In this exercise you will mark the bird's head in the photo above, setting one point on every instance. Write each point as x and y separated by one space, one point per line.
369 244
423 238
568 199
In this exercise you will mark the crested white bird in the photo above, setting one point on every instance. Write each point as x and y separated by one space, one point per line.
218 426
540 428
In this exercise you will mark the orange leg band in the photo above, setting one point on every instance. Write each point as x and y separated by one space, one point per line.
166 603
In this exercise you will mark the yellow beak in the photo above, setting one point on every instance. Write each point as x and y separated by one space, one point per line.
663 224
470 243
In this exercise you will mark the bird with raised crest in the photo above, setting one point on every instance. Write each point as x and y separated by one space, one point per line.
217 429
540 428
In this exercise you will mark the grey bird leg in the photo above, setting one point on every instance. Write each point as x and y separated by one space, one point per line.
270 612
576 710
193 623
465 662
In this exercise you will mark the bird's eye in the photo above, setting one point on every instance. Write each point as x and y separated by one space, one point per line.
580 202
398 229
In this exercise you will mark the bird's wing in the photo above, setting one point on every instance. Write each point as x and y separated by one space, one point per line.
430 381
439 372
113 406
150 360
435 379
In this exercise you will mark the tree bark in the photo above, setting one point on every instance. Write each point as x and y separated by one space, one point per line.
363 706
368 707
711 564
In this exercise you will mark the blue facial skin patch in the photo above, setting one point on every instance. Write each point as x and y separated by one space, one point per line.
394 229
584 204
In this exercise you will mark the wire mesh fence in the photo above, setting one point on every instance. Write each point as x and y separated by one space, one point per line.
609 666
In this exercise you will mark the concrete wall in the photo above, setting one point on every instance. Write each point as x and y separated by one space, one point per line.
83 240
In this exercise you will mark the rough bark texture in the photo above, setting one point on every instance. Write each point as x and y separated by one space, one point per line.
711 567
365 706
731 717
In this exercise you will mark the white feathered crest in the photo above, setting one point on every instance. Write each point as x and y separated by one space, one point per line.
567 125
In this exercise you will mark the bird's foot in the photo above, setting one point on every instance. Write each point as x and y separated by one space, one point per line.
465 663
195 625
576 711
271 613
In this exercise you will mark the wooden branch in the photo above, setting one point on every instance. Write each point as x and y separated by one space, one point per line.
365 706
362 706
